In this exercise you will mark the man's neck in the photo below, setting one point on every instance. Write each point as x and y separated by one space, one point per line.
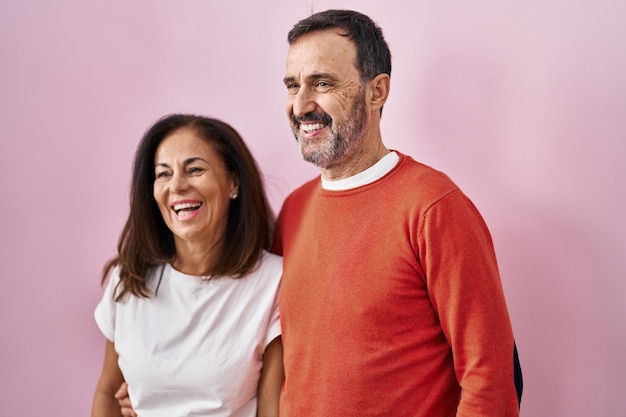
359 162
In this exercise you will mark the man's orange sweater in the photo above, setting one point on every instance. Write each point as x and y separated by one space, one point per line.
391 302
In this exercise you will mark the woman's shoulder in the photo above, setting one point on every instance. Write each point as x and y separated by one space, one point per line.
154 276
271 261
270 266
271 257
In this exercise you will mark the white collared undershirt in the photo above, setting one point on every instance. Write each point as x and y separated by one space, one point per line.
371 174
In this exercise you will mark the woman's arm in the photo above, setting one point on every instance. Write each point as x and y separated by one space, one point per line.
104 402
271 381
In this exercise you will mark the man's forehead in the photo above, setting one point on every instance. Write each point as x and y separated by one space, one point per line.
323 52
322 40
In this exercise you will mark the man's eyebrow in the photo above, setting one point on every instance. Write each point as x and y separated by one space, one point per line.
311 77
319 75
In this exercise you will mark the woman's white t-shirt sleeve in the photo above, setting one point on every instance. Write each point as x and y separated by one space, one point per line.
104 313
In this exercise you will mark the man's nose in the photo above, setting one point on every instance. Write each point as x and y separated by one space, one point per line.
303 103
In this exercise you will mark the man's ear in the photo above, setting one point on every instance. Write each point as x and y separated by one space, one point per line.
379 91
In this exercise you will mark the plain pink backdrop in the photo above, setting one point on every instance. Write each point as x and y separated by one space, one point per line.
523 105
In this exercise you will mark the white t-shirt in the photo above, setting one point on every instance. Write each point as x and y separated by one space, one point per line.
194 349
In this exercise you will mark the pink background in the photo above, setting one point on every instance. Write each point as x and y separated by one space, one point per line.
523 104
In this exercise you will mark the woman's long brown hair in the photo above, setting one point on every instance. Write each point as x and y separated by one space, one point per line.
146 241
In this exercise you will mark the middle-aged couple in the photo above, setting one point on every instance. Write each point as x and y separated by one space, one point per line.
375 293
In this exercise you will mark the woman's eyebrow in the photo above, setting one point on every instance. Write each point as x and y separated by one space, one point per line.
185 162
194 159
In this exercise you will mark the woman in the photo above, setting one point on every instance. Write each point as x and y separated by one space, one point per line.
190 312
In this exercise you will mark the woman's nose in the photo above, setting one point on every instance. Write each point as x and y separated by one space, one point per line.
179 183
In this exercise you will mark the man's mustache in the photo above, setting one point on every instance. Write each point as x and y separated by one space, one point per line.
313 117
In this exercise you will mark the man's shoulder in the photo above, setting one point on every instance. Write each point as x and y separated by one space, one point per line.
305 189
424 176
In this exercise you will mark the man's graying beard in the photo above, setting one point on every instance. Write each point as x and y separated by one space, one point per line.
343 136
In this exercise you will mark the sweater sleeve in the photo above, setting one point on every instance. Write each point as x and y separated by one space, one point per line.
465 290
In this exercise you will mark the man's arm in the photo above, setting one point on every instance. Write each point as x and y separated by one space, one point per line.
465 290
124 401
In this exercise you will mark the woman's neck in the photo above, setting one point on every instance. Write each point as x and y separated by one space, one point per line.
197 260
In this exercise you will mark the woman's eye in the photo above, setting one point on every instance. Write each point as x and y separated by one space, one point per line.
195 170
162 174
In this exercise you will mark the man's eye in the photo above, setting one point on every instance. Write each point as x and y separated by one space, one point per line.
322 84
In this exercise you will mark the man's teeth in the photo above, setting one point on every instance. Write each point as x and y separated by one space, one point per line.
312 127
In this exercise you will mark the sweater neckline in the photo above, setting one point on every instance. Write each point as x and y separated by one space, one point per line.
373 173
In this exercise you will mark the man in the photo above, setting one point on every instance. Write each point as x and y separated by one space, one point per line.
391 301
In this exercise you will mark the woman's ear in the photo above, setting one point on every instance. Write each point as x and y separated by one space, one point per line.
234 191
